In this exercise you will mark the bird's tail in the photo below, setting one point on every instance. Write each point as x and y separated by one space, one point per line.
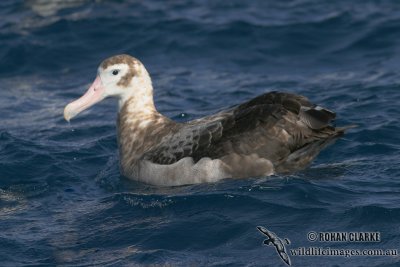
343 129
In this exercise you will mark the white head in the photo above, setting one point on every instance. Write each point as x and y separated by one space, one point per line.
120 76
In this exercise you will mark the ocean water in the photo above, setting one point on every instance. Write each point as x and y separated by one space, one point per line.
63 201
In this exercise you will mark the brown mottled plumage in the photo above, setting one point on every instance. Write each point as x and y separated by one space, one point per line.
123 59
273 133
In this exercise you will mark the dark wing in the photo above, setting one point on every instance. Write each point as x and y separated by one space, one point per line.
285 257
205 137
265 231
314 116
186 142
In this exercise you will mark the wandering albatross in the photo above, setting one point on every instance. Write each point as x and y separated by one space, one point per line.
273 133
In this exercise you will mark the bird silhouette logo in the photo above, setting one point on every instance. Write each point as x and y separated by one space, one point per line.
279 244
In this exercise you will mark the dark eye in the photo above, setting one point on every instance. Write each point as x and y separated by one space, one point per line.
115 72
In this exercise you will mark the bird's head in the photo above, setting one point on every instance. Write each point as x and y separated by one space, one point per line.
120 76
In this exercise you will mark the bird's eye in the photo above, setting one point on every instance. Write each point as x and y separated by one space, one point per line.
115 72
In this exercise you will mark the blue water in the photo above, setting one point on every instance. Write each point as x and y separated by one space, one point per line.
62 199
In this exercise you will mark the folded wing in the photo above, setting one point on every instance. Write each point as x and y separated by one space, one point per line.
272 125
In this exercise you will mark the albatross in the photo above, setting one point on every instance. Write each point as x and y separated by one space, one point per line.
276 132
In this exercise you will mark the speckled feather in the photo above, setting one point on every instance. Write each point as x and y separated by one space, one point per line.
235 130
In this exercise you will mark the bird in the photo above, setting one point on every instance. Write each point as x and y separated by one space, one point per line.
277 242
271 134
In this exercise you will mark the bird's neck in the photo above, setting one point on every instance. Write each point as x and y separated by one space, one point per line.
142 103
138 96
140 127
